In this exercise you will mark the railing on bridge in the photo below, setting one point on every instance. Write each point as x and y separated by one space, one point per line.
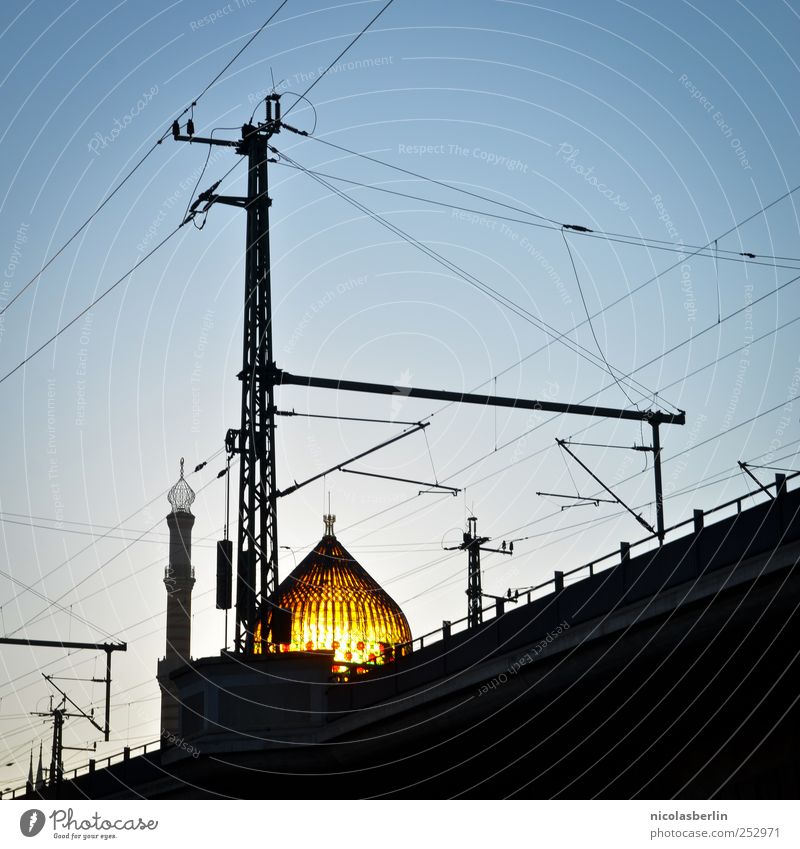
448 628
70 774
622 553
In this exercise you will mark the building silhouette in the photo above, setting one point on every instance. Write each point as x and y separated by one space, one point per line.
667 674
179 581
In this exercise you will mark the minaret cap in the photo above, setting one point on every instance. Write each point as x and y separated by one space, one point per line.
181 495
329 519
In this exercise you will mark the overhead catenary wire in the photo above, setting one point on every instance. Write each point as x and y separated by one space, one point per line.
203 170
650 362
720 477
83 580
589 426
620 238
216 78
549 447
696 250
28 357
136 167
351 43
765 208
35 517
631 292
472 280
43 614
76 531
342 418
94 542
475 483
442 183
557 225
457 575
589 318
762 209
68 610
438 560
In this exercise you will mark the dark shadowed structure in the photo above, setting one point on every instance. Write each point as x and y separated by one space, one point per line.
670 674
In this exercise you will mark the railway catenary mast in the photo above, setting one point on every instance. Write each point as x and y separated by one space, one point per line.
254 440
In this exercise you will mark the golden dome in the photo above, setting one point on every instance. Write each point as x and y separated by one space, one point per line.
336 605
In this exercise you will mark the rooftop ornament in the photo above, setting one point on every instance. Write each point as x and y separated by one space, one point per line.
336 605
181 495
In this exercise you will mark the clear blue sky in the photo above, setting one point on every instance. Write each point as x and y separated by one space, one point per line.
673 121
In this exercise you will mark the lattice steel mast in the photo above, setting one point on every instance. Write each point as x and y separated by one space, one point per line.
254 441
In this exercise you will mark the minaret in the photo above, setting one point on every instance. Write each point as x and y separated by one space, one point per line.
179 581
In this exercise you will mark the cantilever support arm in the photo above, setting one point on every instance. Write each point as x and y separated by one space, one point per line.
616 498
451 489
284 378
579 497
339 466
58 644
203 140
108 648
82 712
746 469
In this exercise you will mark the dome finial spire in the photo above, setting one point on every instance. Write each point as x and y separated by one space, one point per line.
181 495
329 519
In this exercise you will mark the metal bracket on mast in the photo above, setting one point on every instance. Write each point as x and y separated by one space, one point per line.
340 466
254 440
431 487
746 469
580 500
562 443
473 545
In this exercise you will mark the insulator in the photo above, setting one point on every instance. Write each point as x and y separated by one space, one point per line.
511 547
224 574
190 127
246 586
281 626
277 110
176 129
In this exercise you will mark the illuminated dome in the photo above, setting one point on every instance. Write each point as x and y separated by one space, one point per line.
337 606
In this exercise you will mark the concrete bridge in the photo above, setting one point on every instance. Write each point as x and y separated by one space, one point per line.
670 674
